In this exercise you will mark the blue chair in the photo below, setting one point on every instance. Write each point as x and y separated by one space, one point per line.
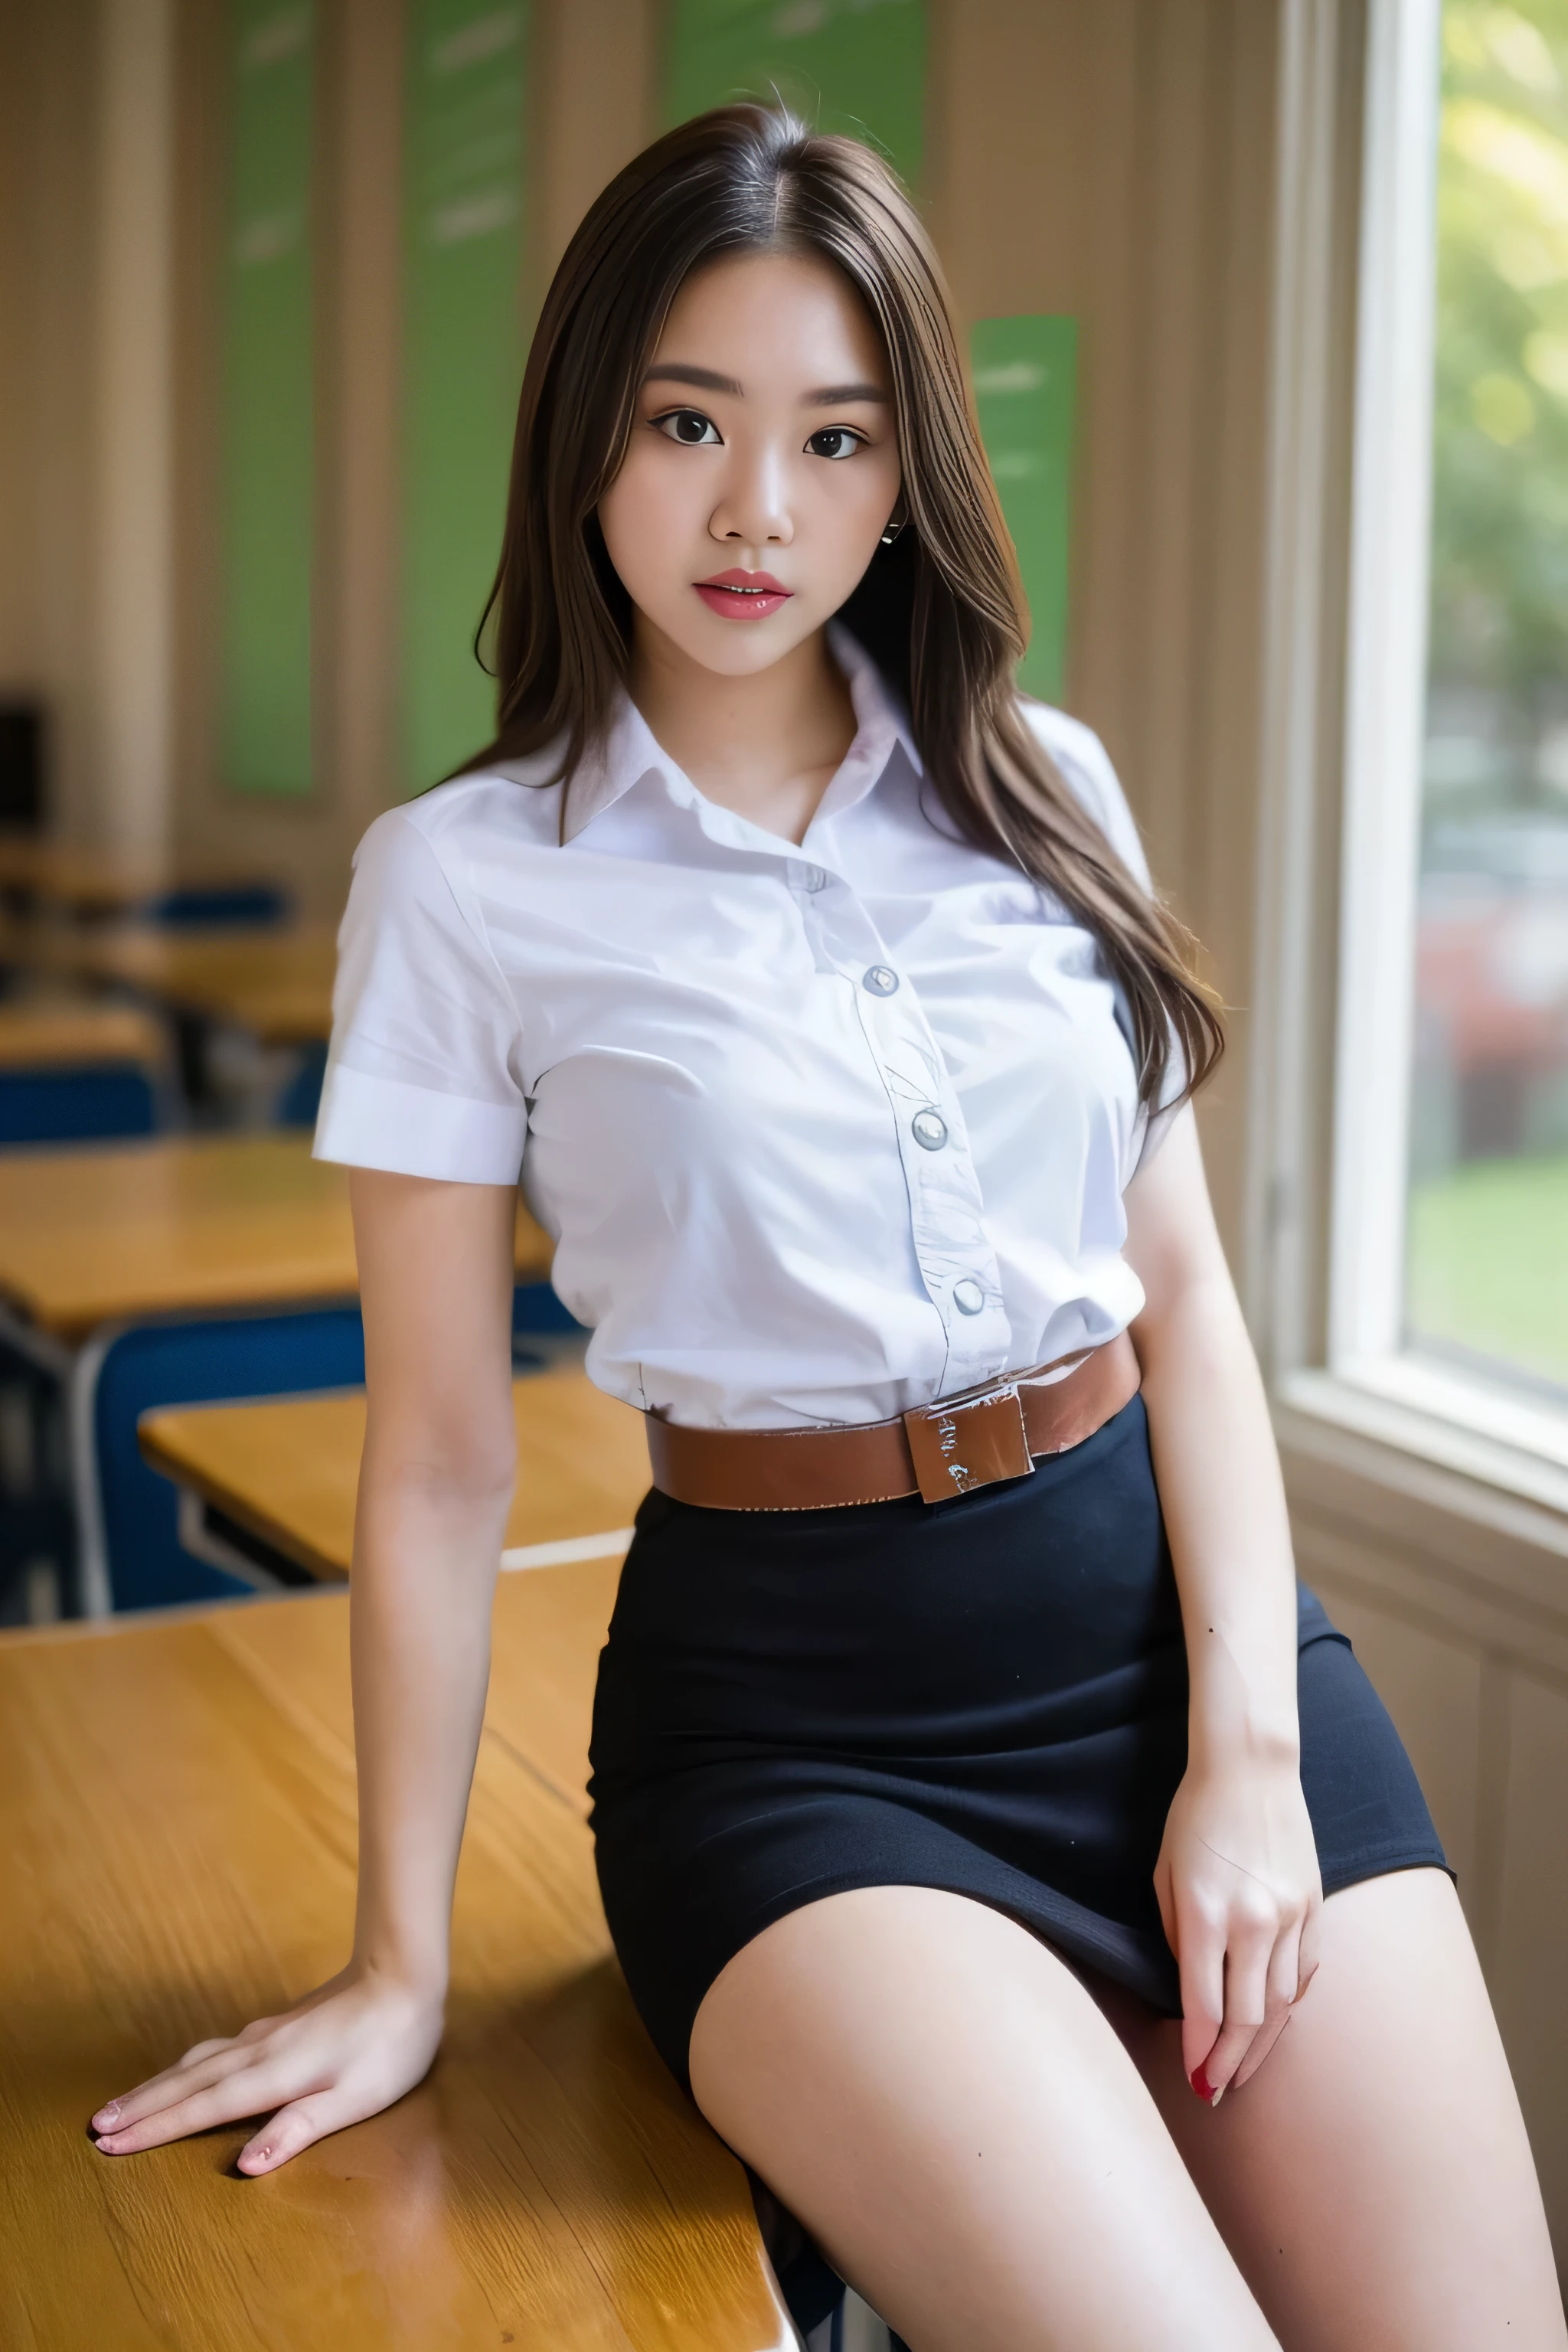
200 907
840 2332
130 1556
536 1307
77 1103
129 1553
827 2318
36 1523
850 2325
301 1096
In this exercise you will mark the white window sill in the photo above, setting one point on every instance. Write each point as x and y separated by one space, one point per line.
1424 1429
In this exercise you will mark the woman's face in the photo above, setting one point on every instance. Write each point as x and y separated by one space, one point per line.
762 465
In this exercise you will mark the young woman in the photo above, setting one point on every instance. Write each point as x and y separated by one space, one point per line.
968 1774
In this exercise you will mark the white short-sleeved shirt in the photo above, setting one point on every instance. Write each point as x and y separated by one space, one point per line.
820 1133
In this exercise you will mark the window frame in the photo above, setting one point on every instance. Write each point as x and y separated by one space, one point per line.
1347 557
1386 682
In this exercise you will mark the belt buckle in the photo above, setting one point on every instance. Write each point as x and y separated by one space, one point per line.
968 1441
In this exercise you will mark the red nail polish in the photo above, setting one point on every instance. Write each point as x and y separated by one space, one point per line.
1202 2084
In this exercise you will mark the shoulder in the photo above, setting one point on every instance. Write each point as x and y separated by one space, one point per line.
1086 765
516 802
454 832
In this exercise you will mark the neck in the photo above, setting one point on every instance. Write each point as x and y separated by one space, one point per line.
765 745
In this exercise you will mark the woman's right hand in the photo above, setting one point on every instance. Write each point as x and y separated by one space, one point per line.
348 2050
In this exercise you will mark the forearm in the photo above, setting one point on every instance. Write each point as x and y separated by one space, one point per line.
424 1577
1224 1504
435 1286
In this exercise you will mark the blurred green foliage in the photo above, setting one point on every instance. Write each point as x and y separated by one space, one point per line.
1500 547
1487 1270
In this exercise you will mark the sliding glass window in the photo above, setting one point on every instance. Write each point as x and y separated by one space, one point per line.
1486 1251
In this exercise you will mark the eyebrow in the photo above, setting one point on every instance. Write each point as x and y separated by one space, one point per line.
832 395
674 372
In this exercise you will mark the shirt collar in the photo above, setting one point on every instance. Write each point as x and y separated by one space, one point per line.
629 752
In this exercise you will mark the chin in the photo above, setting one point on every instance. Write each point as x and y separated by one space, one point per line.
741 648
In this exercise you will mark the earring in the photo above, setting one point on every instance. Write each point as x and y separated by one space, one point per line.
895 523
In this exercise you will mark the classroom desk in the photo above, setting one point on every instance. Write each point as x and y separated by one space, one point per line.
177 1855
275 982
182 1224
50 1033
72 879
85 881
285 1469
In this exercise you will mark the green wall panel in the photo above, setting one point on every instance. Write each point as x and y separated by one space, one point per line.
465 167
850 64
1025 372
267 454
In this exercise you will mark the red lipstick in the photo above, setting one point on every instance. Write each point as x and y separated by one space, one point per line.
744 595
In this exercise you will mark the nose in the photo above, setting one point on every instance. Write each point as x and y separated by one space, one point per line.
753 510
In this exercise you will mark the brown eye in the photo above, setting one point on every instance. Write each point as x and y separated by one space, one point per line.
689 427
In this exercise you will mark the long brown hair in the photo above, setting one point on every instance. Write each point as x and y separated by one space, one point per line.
940 610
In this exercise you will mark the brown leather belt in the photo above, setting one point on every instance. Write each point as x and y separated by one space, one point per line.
936 1451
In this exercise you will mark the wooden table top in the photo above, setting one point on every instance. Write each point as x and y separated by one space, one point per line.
53 1032
93 880
72 878
275 980
288 1469
177 1855
182 1223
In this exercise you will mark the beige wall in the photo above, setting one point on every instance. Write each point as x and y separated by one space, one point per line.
1463 1626
48 96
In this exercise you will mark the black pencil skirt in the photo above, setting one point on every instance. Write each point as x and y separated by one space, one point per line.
987 1696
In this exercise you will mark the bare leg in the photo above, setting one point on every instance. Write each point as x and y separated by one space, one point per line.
1374 2180
939 2099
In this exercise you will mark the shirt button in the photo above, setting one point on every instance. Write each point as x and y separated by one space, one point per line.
929 1130
968 1297
814 879
881 981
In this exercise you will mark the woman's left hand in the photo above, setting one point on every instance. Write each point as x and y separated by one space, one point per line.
1240 1896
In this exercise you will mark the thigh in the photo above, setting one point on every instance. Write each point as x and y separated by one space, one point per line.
939 2099
1372 2179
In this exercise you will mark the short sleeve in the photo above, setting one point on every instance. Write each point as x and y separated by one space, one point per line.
419 1078
1086 765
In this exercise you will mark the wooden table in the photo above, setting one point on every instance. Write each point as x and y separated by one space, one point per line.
78 880
87 881
177 1855
275 981
57 1033
286 1470
182 1224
